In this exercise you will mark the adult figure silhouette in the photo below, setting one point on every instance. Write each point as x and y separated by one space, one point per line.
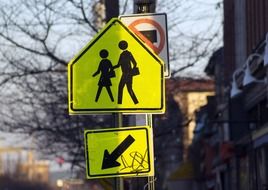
129 69
107 72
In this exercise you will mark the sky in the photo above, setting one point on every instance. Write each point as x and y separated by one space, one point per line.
191 25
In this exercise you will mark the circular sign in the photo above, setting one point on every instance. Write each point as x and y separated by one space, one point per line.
157 49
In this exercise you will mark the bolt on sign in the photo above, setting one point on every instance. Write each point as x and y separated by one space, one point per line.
118 152
116 72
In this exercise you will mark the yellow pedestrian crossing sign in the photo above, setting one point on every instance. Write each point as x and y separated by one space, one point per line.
116 152
116 72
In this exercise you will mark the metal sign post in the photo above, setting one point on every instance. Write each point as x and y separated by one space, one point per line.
117 72
119 182
146 6
151 179
96 85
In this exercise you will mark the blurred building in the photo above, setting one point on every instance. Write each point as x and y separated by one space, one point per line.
20 163
9 159
33 170
191 94
232 140
20 169
173 130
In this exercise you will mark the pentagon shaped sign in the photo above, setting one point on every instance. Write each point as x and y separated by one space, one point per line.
116 72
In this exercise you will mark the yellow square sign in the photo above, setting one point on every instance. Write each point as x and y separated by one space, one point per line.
126 151
116 72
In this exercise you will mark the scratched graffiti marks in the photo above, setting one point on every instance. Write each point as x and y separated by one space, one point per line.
138 163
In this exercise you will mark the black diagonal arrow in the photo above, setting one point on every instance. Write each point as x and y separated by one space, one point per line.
109 160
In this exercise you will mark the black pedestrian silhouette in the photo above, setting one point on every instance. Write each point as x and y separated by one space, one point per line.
125 60
107 72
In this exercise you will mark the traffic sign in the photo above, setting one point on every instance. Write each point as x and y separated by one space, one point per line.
152 29
116 72
116 152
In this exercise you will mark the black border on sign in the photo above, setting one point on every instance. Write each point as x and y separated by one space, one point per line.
167 44
103 110
139 174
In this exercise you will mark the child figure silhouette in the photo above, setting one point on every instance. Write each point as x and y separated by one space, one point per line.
106 70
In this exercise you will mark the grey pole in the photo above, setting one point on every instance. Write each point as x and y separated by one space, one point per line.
111 9
140 7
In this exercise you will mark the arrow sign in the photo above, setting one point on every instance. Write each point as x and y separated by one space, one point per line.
118 152
109 160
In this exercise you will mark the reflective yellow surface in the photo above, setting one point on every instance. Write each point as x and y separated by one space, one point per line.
130 147
84 81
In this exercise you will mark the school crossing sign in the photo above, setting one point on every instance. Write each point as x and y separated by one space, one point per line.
116 72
